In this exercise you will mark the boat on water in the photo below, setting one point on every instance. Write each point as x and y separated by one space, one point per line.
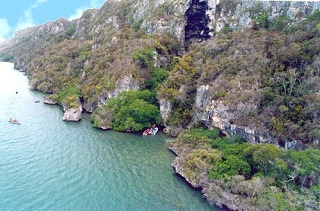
150 131
14 121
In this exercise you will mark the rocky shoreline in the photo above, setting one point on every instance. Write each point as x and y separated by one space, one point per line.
235 192
72 114
213 193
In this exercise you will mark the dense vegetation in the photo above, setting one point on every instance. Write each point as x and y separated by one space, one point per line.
130 111
262 176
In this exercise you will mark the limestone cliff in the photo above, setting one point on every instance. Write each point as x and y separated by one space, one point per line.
82 43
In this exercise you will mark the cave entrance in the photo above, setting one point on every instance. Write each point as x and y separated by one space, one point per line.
197 22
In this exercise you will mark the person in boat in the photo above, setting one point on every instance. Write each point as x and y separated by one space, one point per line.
146 132
154 129
13 120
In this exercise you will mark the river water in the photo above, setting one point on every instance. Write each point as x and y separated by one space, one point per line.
49 164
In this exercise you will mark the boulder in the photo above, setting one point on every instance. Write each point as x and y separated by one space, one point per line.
72 114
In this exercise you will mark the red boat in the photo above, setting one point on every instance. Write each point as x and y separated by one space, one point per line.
14 121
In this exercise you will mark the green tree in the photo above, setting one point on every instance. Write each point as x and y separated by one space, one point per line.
158 75
6 58
305 163
135 116
263 155
233 165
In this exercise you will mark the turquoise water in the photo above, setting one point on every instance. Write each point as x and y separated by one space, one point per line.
49 164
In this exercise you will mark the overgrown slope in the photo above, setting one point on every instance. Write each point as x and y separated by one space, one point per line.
268 77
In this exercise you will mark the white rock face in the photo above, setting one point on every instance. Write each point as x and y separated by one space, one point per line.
125 83
217 114
72 114
165 108
237 16
49 101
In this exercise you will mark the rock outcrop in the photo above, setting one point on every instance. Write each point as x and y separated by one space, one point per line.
217 114
49 101
72 114
123 84
211 190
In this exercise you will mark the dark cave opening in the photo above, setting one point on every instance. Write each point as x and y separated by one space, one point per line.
197 21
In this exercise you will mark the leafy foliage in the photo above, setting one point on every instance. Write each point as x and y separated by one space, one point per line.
70 91
130 111
263 20
158 75
69 97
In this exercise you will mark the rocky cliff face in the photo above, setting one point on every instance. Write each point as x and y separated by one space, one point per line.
213 192
123 84
212 17
187 20
216 114
240 14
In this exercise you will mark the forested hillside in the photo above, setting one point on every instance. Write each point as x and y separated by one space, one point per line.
218 75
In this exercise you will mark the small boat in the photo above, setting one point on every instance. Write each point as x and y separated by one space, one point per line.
150 131
37 101
13 121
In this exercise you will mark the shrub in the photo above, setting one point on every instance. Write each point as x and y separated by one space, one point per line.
199 135
263 20
315 16
158 75
69 91
137 25
144 56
